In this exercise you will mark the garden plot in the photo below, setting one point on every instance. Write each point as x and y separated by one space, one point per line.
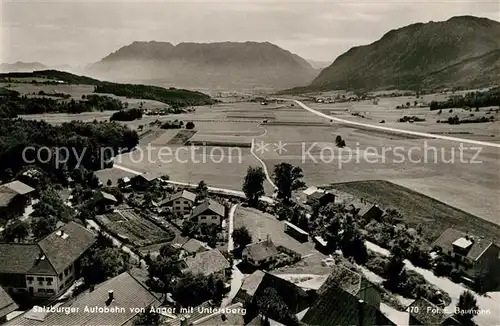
129 226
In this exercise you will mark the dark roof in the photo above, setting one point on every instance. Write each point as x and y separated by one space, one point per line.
109 197
293 296
338 307
252 282
193 245
343 278
148 176
6 196
261 250
450 235
320 195
219 319
63 246
18 258
18 187
127 292
368 207
7 305
432 316
182 194
206 263
211 205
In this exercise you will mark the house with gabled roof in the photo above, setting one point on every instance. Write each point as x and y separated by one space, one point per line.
7 305
182 202
209 212
260 253
123 295
207 263
105 202
46 268
477 258
346 298
193 246
14 197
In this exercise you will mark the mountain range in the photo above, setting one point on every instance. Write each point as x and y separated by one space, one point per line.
234 65
462 51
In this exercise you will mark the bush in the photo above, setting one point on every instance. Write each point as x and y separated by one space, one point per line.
190 125
126 115
443 268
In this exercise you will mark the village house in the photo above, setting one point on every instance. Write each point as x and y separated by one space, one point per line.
346 298
105 202
476 257
424 312
7 305
207 263
47 268
370 211
144 181
193 246
209 212
261 253
14 197
255 285
123 293
182 202
321 198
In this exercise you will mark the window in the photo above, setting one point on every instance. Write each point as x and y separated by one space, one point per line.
40 280
66 272
29 279
50 291
203 217
41 290
60 276
49 280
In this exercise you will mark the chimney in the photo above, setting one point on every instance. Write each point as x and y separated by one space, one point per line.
361 312
110 295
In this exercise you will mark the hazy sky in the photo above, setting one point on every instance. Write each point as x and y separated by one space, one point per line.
80 32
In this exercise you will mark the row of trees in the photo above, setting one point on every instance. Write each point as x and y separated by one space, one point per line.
472 99
13 105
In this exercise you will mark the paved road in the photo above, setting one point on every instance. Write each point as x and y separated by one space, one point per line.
401 131
237 276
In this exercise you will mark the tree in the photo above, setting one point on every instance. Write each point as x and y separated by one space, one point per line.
242 237
394 273
201 191
190 125
109 183
147 318
339 142
253 186
100 264
287 178
43 225
17 230
467 305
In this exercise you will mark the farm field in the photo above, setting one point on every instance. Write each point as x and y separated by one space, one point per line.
431 215
126 224
232 126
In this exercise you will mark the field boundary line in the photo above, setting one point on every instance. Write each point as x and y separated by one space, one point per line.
408 132
268 177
